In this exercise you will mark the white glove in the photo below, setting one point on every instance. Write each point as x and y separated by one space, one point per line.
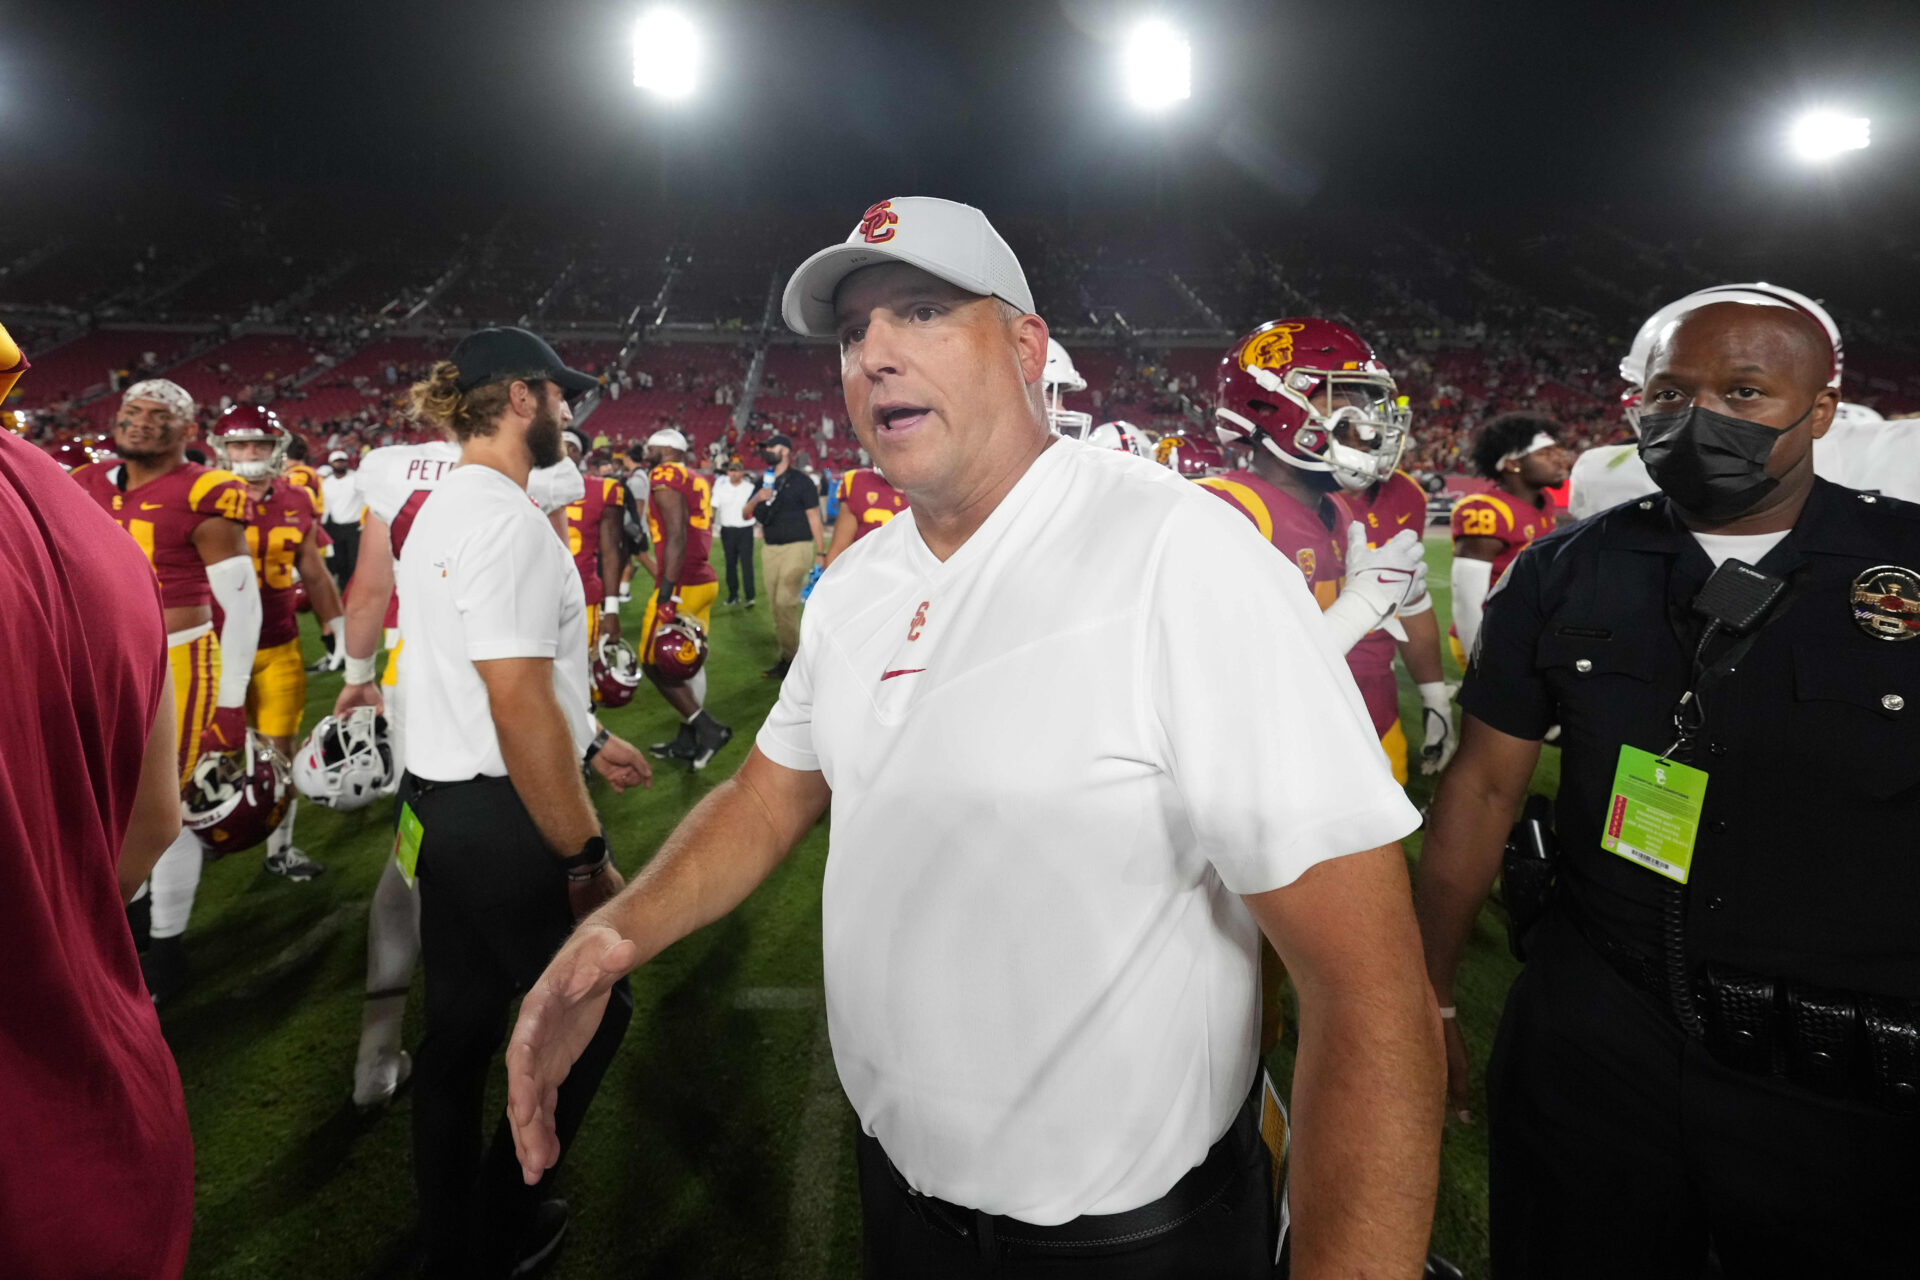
1380 582
1438 741
336 659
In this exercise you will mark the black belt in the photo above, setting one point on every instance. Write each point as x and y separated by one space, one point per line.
1200 1188
1852 1045
414 785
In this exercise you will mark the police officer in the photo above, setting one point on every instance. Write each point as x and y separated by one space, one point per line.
1714 1047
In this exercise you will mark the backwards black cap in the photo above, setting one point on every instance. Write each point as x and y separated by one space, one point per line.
492 354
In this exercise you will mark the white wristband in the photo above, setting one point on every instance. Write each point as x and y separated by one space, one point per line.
360 670
1448 1012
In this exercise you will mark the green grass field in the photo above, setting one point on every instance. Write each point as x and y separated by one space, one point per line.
720 1143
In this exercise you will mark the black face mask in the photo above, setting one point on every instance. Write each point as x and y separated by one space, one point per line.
1712 465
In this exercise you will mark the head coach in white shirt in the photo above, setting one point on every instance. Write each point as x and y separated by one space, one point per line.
1083 745
498 723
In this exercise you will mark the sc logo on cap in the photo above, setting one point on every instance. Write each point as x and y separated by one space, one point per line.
877 223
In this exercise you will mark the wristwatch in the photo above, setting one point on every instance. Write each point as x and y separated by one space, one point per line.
593 748
586 864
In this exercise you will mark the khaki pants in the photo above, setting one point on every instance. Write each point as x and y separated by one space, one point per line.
786 564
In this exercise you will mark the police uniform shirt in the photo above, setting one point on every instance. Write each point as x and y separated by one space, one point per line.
1805 866
484 577
1042 989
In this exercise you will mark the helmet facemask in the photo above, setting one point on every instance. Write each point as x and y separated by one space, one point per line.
253 468
1072 423
1353 427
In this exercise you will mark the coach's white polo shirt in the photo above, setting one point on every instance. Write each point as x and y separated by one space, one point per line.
1056 759
483 577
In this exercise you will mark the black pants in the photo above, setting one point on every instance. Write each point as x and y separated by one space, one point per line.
493 910
1621 1148
346 552
1228 1237
738 544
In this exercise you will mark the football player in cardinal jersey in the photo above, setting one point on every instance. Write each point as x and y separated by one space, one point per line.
299 474
1195 457
1521 453
284 539
1315 403
191 522
593 537
1383 509
396 481
867 501
680 523
1317 406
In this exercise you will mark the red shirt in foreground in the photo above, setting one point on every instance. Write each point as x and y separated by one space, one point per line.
96 1161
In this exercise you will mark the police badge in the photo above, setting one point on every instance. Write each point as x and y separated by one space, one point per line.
1886 602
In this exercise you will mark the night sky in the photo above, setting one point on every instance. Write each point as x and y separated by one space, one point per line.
827 105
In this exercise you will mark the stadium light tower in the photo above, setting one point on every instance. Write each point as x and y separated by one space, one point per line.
1157 66
1822 135
666 53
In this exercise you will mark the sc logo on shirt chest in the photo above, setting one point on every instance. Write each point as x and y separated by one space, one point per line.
919 620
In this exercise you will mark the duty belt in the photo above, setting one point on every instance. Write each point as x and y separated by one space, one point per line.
1852 1045
1200 1188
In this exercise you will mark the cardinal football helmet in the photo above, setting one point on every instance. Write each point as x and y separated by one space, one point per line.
347 761
616 672
234 799
1123 436
250 422
1313 394
1192 456
1057 378
679 648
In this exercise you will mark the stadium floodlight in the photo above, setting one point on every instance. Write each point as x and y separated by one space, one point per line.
1821 135
1158 66
666 53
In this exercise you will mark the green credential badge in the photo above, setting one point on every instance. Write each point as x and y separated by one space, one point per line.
406 845
1654 815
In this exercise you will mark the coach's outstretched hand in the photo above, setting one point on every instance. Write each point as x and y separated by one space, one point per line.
558 1017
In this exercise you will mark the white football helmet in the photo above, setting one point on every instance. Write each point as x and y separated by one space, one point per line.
1056 379
1123 436
1633 365
347 761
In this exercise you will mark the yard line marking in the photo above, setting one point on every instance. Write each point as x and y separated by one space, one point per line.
810 1201
777 998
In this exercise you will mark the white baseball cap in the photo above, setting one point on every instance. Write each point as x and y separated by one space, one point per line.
668 437
951 241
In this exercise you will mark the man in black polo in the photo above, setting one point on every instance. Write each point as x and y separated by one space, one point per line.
789 512
1715 1043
